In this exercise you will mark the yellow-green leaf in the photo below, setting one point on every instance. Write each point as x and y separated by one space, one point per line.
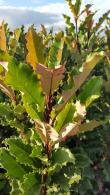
35 48
3 46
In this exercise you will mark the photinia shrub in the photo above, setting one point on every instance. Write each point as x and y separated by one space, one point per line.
45 109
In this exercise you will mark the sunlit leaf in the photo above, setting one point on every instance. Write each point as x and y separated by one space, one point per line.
65 116
47 133
70 129
22 78
35 48
3 46
50 78
72 8
88 66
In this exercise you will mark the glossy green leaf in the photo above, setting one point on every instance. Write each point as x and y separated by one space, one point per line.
20 151
87 66
22 78
37 151
91 91
31 184
32 109
7 114
62 156
65 116
13 168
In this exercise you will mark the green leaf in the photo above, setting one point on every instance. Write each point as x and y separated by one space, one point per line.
68 22
2 185
35 48
4 57
72 8
13 168
20 151
74 179
44 30
15 187
100 21
32 109
55 54
7 90
22 78
18 125
75 8
6 112
91 91
87 66
31 184
19 110
62 156
82 160
86 185
37 152
106 167
62 182
65 116
91 125
107 86
34 137
14 41
78 6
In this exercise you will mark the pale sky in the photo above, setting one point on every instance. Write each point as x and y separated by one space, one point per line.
47 12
